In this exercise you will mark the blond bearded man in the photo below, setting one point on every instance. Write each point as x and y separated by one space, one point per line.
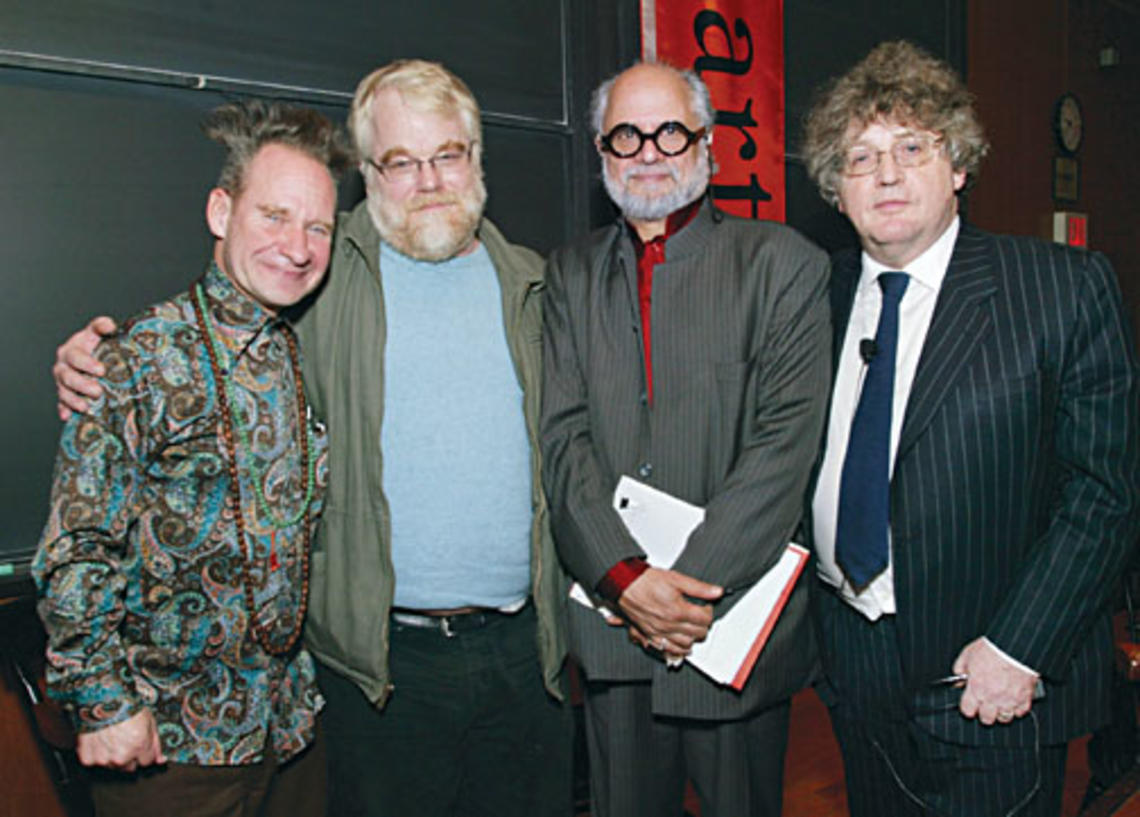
436 616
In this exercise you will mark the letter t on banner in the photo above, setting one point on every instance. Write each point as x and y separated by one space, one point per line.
737 47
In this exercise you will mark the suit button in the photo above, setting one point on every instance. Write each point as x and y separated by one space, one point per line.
645 470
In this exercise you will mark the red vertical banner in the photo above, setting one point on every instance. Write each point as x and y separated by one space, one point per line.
737 48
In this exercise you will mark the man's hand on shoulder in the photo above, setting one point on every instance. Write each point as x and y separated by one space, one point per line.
997 690
76 369
124 746
657 604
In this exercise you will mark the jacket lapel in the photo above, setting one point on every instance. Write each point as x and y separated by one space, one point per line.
846 267
960 323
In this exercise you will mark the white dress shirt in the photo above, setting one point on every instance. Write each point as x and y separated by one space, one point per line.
915 311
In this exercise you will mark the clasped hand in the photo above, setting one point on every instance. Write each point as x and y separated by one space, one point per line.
662 615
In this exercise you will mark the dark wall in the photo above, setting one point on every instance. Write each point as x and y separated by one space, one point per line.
105 173
1016 89
322 47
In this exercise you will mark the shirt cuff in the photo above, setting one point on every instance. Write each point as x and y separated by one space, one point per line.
99 716
1010 659
621 576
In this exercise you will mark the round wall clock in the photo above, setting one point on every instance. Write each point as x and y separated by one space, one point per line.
1068 123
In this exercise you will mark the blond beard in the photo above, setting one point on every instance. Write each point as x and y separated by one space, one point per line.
430 236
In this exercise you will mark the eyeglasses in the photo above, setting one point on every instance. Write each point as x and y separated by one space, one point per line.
448 162
670 139
911 150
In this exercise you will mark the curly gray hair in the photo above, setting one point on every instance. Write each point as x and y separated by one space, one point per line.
897 81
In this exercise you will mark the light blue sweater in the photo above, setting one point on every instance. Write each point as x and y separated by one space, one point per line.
456 461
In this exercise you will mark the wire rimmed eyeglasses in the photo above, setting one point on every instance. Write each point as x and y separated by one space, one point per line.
447 162
910 150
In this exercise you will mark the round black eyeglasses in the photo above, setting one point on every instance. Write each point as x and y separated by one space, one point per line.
671 139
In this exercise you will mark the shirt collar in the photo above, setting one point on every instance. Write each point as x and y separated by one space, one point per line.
234 313
673 224
929 269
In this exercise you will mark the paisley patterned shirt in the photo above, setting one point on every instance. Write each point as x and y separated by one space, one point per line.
141 574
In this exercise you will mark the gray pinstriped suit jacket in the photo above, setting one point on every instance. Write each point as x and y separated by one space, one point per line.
1015 498
740 374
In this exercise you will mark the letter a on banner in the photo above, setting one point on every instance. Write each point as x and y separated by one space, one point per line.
737 48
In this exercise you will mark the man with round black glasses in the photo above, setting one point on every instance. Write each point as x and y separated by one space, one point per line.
687 349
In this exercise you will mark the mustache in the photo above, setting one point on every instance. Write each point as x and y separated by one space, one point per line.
654 170
433 199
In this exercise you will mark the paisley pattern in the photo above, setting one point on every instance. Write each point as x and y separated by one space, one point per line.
139 567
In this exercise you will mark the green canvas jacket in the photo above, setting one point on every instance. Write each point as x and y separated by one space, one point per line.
343 332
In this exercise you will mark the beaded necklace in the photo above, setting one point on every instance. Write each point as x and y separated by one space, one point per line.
228 406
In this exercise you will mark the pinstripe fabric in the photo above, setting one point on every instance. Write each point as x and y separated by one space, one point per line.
884 749
736 767
1016 492
740 357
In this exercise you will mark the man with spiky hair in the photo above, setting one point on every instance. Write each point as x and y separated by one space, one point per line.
174 567
438 601
980 487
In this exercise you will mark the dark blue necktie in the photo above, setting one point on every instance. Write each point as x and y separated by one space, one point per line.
861 546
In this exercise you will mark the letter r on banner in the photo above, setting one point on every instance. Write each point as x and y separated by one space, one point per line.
737 47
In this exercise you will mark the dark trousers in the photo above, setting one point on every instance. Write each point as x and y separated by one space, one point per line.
895 767
469 730
267 789
639 762
1113 749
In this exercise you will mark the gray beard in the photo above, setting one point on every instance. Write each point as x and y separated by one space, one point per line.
436 238
655 208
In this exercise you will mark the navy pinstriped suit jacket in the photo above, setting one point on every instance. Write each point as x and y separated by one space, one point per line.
1015 498
740 374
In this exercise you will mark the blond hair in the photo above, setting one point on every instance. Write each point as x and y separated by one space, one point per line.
424 86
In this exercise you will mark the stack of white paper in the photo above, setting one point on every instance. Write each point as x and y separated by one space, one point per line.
661 523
